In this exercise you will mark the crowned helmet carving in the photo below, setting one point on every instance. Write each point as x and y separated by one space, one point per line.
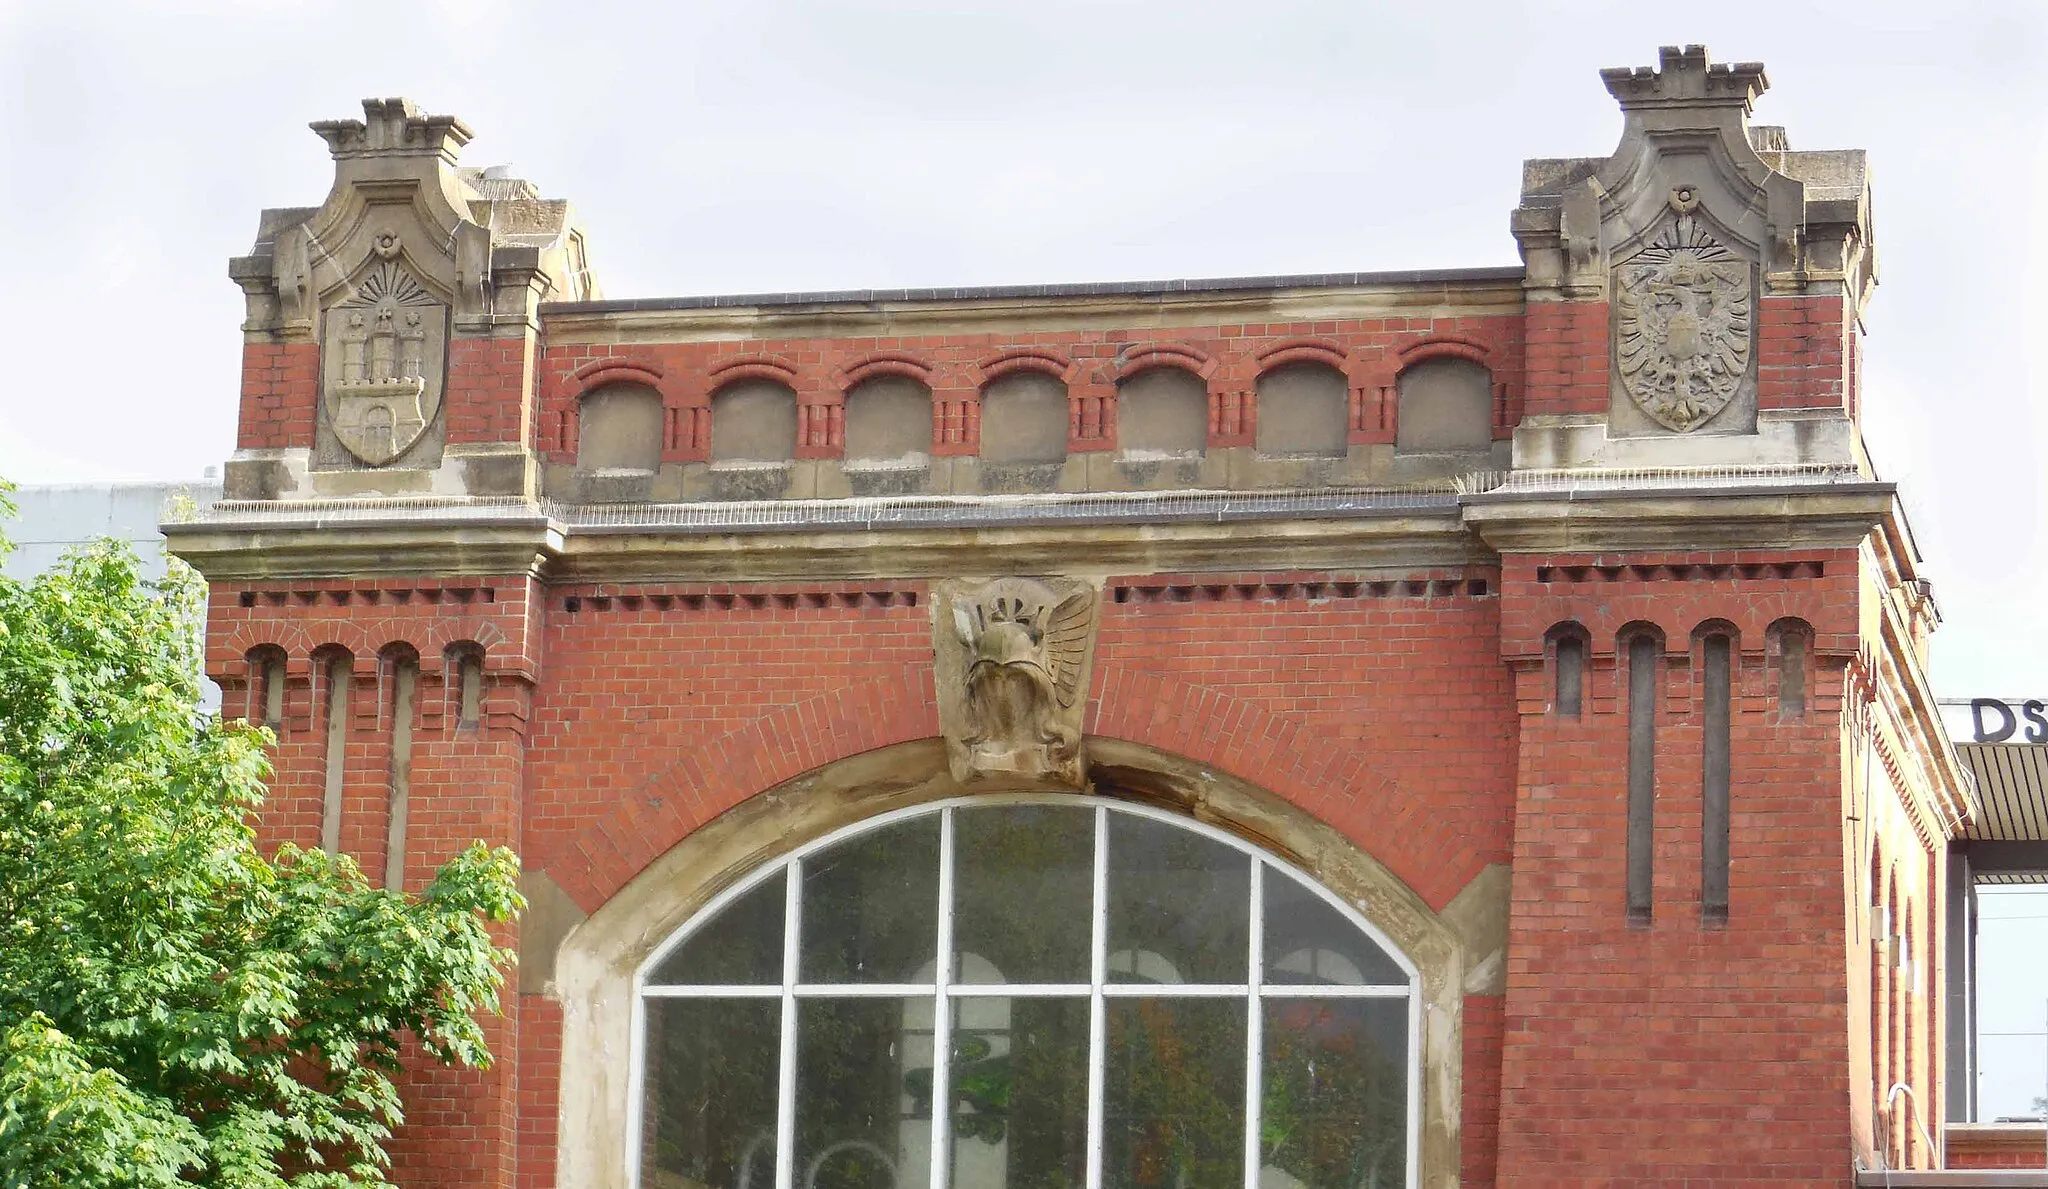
1013 676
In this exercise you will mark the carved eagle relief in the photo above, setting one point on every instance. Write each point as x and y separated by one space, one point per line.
1025 661
1682 327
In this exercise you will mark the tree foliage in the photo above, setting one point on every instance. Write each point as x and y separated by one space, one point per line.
176 1009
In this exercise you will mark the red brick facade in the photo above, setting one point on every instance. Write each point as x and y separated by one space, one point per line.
1397 685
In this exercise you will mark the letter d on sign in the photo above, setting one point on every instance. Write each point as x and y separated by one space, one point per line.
2007 725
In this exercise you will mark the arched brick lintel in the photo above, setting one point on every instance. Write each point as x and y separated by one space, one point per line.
721 772
1319 773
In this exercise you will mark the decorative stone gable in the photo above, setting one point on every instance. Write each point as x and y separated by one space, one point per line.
1687 232
407 258
1013 660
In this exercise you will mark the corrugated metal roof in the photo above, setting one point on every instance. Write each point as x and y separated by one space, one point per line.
2012 791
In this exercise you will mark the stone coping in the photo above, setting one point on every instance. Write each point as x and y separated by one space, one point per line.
1345 280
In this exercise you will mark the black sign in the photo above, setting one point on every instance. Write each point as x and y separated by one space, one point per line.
1996 721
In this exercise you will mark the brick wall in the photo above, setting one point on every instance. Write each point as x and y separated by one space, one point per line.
280 384
1370 352
1410 710
1683 1047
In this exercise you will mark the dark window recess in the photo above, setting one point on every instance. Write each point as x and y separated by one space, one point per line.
1643 659
1792 652
1571 676
470 688
273 691
340 675
404 685
1714 768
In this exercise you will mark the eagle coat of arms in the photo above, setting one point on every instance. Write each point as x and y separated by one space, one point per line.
382 364
1682 338
1021 665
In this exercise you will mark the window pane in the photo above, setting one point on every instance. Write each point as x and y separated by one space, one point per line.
1173 1094
1335 1102
742 944
1307 941
860 1067
1020 1093
709 1114
1179 905
871 907
1024 881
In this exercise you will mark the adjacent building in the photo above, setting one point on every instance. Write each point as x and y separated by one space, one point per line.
1431 728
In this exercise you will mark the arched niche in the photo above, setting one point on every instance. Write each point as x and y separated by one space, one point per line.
618 430
1024 419
1445 406
888 424
1162 413
595 969
753 423
1304 411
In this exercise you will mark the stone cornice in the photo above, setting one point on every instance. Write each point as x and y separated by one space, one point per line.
1940 785
1099 533
1764 516
1394 538
1468 292
247 552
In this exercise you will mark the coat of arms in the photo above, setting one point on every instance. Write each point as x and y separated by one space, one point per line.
382 363
1021 666
1682 326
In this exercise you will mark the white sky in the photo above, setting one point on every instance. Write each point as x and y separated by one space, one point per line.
743 146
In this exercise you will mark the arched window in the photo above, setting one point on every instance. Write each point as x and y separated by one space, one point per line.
1444 406
753 422
465 678
889 424
1024 419
1008 993
618 428
1792 641
1304 411
1162 412
266 686
1569 646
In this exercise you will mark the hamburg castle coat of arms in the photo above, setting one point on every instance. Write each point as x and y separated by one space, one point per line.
1682 323
383 360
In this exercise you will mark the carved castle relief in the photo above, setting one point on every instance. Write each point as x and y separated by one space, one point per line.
1013 661
384 360
1682 322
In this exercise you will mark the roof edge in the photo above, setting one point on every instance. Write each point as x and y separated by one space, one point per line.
1494 274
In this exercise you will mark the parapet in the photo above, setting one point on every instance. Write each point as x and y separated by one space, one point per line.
433 331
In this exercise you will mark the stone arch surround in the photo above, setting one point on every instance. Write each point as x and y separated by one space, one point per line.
594 963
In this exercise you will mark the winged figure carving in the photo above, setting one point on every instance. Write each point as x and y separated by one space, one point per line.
1025 661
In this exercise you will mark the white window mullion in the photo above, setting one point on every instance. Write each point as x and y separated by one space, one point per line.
942 1013
785 1107
1098 1018
1254 1027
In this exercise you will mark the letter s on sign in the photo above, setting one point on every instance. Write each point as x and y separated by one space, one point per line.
2037 726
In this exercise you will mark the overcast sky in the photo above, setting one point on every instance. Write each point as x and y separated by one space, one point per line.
722 147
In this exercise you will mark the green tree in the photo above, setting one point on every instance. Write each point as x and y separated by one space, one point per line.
174 1008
